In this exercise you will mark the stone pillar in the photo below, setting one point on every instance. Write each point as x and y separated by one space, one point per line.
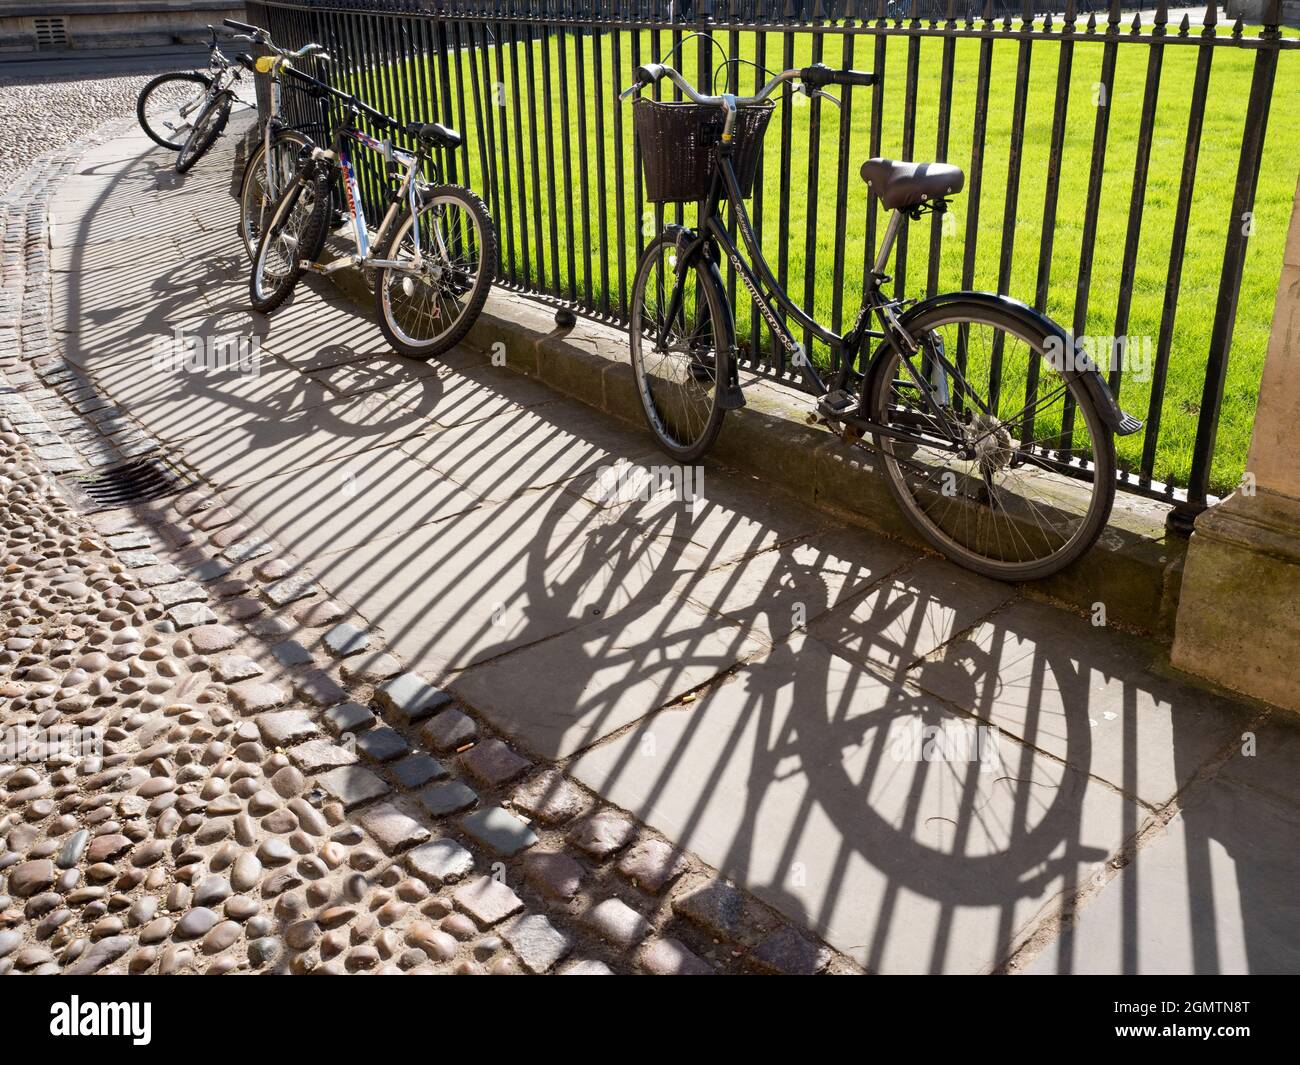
1238 619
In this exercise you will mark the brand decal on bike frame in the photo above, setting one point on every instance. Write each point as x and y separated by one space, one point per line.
353 191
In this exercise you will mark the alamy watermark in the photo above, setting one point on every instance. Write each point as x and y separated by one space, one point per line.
953 741
36 743
1134 356
626 482
227 353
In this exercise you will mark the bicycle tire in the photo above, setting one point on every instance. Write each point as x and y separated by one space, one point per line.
250 231
880 381
204 134
393 331
310 242
715 310
141 104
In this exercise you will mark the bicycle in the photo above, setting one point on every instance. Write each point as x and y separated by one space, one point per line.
271 165
439 244
996 432
166 103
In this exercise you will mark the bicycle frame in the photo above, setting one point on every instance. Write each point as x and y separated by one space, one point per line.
407 191
848 346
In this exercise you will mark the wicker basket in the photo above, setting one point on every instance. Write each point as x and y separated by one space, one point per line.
679 144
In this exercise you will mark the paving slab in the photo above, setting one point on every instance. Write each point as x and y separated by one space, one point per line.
332 505
909 615
450 594
272 442
1214 893
1084 694
801 778
562 695
778 591
526 450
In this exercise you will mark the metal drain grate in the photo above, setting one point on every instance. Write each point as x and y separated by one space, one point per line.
51 32
141 481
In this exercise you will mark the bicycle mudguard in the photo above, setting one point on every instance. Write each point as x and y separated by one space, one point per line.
691 247
1078 365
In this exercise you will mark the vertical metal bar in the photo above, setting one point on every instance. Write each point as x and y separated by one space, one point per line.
1042 290
909 142
602 176
1177 248
814 168
521 183
842 181
1092 204
531 66
877 127
548 118
562 36
1141 164
941 143
620 175
1234 253
508 215
1012 202
580 113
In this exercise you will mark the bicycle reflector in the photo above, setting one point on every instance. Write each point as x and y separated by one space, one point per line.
265 64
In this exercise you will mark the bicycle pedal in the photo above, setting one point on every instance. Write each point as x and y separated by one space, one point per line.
837 403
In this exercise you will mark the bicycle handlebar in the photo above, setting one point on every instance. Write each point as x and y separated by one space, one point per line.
263 37
814 76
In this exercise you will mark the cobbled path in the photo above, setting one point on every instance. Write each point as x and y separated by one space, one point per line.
37 114
265 787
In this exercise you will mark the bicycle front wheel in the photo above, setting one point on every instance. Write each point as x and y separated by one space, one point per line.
1032 486
168 104
297 238
675 355
260 192
207 128
426 311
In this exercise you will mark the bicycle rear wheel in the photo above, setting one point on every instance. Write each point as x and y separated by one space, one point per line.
1037 482
677 377
167 104
425 314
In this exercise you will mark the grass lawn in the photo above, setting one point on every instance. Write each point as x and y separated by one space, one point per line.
549 259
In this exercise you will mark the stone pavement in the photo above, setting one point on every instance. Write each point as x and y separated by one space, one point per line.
399 683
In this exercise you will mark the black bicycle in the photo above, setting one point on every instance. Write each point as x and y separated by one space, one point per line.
995 429
437 247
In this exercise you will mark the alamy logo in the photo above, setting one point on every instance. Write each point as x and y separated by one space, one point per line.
232 353
625 482
77 1018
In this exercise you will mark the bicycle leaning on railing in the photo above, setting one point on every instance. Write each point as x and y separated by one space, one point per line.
439 246
996 432
272 164
187 110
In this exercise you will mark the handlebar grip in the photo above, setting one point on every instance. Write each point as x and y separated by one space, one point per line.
650 73
243 27
246 61
819 75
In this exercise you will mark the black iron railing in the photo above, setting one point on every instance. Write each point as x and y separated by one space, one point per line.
1105 151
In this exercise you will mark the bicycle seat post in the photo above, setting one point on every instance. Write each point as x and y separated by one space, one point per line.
887 244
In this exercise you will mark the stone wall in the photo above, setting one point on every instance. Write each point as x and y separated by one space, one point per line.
81 25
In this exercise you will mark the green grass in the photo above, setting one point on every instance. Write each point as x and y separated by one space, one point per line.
1215 180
